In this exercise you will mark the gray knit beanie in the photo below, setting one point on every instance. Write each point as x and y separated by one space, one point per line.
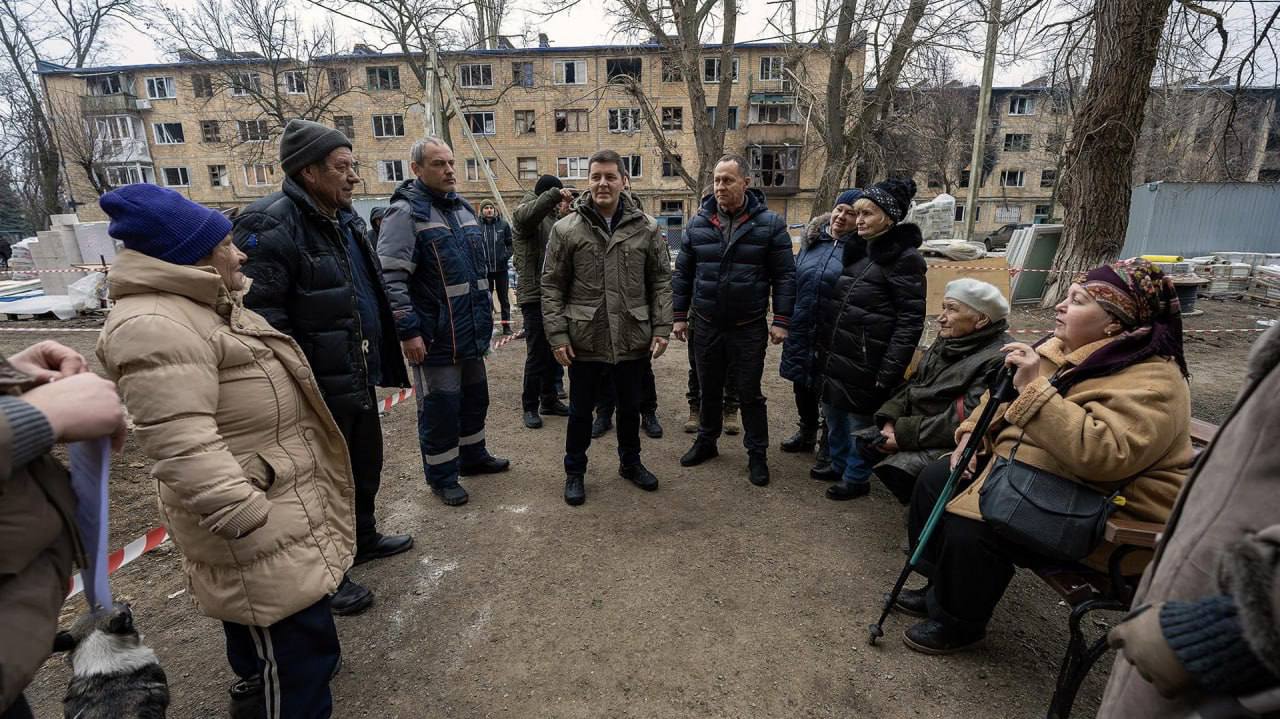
305 143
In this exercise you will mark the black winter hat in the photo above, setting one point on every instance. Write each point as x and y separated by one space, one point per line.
892 196
305 142
546 182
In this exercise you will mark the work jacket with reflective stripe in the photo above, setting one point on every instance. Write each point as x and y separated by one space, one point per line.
432 254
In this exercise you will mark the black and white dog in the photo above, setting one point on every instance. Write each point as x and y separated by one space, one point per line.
113 674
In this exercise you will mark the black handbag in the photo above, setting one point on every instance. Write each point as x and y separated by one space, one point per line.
1050 515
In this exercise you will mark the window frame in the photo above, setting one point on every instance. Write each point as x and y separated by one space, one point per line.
261 133
111 123
294 78
114 84
521 170
639 68
671 118
350 124
584 117
669 169
155 132
170 85
466 71
664 210
397 123
1021 142
339 79
201 85
217 182
531 127
241 88
384 175
615 116
1052 174
1021 174
568 163
634 165
777 67
269 174
471 169
182 170
1028 105
558 73
522 73
375 71
671 70
488 125
210 138
719 75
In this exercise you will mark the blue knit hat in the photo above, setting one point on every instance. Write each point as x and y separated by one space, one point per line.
848 197
159 222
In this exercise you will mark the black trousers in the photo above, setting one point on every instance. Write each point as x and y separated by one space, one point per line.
968 565
500 283
540 367
694 395
806 404
363 432
607 398
294 658
736 352
19 709
586 381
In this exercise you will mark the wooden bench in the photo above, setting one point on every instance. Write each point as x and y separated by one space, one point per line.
1087 590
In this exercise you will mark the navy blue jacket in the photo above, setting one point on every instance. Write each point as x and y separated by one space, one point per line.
303 284
432 256
729 284
817 266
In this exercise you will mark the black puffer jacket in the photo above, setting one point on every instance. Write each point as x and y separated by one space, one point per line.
871 319
302 285
730 284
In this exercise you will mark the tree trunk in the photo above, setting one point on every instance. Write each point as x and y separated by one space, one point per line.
1100 152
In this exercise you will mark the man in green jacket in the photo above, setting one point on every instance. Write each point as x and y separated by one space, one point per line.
531 224
606 306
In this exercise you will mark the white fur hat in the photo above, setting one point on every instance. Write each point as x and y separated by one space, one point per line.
981 296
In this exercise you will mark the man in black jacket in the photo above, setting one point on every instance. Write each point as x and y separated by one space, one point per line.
497 257
735 253
317 279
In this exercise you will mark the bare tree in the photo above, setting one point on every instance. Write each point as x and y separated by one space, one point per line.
679 27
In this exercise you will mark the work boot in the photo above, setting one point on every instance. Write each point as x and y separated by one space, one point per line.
842 491
601 426
555 408
699 453
384 545
533 420
802 441
731 425
506 328
639 476
453 495
247 699
649 423
489 465
575 493
758 471
350 599
691 424
913 602
933 637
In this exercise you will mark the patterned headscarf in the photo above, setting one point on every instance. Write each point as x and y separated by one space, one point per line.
1145 303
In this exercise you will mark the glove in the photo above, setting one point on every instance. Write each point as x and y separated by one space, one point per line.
1141 641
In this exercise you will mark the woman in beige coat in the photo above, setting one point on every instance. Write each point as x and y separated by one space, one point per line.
1104 402
253 476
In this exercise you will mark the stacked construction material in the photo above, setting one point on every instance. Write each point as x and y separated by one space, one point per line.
57 249
1265 285
1227 279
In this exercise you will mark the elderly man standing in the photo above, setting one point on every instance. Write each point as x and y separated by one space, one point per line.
316 278
531 224
918 424
606 305
432 255
736 251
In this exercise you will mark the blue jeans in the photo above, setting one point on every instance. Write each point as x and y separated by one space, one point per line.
845 458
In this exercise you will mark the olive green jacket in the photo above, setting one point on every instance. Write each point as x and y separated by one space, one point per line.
531 224
606 294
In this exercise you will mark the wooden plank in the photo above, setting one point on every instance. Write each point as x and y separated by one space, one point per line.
1131 531
988 269
1202 432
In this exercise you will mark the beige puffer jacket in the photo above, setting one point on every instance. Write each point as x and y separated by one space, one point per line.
607 295
253 475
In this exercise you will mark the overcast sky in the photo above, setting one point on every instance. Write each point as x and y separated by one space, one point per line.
584 24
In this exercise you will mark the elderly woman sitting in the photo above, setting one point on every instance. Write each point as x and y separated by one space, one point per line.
1104 402
918 424
253 477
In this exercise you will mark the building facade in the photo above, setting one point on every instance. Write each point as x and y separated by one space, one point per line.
210 127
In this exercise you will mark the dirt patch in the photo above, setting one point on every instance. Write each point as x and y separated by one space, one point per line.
709 598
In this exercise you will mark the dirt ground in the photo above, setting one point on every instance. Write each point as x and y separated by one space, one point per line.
708 598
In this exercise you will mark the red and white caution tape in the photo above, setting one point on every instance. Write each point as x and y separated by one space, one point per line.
396 399
125 555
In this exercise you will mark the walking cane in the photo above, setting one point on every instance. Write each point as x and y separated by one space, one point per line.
1001 390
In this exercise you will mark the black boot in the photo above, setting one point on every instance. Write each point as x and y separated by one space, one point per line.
649 423
601 426
822 464
913 602
842 490
699 453
350 599
489 465
452 495
382 545
532 420
802 441
934 637
575 493
758 471
639 476
247 699
554 408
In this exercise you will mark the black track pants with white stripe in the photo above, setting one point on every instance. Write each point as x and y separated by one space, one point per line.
294 658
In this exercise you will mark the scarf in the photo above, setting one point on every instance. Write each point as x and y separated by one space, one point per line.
1145 303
